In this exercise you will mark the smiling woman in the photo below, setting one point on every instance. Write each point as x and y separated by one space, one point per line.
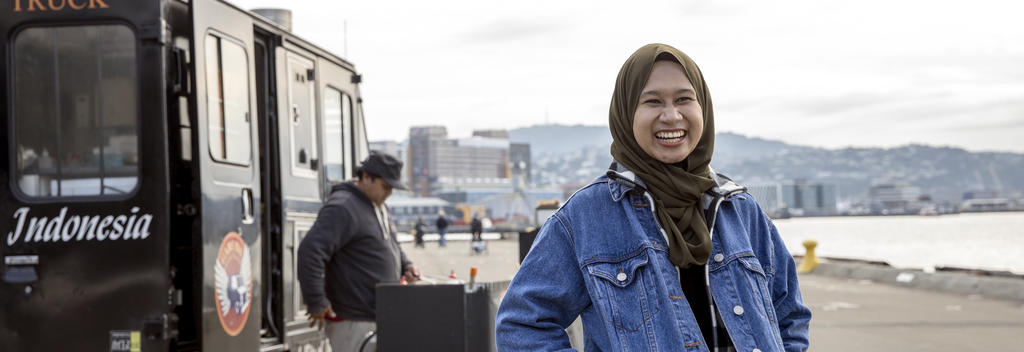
667 123
632 254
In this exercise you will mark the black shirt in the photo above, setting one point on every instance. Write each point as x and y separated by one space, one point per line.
695 289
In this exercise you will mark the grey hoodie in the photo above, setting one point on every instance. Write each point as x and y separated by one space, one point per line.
345 255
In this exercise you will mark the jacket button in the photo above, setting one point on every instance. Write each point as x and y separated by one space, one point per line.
738 310
719 257
756 350
621 277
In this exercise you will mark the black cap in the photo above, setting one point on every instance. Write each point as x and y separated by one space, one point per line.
385 166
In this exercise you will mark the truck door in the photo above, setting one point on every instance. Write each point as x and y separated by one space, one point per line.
300 174
229 167
84 212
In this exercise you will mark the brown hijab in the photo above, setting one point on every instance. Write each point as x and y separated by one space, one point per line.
676 188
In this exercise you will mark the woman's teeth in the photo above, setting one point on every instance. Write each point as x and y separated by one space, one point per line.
673 136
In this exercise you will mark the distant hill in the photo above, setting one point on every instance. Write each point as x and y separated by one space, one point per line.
943 173
731 146
578 154
557 139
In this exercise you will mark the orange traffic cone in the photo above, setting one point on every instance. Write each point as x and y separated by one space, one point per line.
472 276
403 282
452 275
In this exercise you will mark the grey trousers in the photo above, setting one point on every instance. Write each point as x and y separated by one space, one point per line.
348 335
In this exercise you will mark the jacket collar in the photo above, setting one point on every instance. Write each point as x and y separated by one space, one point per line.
724 188
622 181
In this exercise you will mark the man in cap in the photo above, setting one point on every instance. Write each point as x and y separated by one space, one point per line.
349 250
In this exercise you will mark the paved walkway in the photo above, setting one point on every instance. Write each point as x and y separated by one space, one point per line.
498 263
860 315
849 315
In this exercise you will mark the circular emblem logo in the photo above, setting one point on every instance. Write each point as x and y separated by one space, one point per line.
233 283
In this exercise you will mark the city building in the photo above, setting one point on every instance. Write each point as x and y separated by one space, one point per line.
894 199
987 194
499 134
520 164
799 198
768 196
421 143
991 200
810 199
441 164
987 205
484 173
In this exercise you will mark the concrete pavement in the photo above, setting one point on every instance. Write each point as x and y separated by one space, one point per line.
849 314
862 315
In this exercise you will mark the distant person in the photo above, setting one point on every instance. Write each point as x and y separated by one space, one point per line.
442 227
476 227
418 228
349 250
660 252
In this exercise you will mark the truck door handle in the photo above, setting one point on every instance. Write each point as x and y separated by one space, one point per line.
247 211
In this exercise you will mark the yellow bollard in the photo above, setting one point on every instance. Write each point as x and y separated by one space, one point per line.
810 261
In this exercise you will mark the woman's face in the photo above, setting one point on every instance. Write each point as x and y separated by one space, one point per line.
668 121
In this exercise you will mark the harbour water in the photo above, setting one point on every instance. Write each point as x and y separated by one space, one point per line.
993 241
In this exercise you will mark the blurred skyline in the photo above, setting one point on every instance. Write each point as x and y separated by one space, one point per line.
869 73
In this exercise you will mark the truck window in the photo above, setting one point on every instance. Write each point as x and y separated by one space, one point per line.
75 104
337 117
361 145
227 101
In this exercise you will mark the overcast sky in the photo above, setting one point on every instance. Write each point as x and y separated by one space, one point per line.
820 73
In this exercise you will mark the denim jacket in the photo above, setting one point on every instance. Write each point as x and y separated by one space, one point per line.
604 257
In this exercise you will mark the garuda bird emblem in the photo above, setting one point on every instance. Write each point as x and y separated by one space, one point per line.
233 289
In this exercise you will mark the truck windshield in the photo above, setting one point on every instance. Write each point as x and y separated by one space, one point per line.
75 105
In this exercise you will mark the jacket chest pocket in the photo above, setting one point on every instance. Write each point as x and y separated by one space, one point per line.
627 291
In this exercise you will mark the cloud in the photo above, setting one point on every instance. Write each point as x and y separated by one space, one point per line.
503 31
873 72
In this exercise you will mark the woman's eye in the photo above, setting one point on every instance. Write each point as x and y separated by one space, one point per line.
684 99
652 101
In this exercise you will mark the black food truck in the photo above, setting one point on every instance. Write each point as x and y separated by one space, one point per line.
162 161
